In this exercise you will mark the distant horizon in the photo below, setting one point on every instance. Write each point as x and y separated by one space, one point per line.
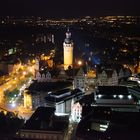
68 17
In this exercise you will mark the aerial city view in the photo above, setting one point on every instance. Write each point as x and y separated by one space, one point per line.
69 70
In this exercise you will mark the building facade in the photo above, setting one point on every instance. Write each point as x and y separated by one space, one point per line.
106 78
41 135
34 95
80 80
43 77
76 112
44 125
62 100
114 95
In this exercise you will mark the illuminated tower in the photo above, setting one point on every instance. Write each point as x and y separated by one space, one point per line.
68 50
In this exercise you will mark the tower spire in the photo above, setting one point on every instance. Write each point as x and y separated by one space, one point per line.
68 37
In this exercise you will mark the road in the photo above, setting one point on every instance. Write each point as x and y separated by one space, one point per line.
19 79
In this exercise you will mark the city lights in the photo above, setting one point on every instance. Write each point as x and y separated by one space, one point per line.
99 96
120 96
83 70
79 62
13 105
24 72
114 96
129 96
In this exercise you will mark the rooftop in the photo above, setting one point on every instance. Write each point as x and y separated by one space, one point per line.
104 123
64 95
44 119
60 92
48 86
112 90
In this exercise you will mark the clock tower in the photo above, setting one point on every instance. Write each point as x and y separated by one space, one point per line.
68 50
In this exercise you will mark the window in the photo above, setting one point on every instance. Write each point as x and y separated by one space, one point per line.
44 137
37 136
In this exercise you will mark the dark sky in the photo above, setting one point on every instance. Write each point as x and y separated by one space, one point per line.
69 8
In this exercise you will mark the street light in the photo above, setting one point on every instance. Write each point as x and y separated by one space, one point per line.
24 73
79 62
31 69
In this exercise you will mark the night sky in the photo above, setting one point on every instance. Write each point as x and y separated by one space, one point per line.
69 8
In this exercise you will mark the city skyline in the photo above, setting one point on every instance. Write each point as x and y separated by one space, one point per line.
69 70
69 8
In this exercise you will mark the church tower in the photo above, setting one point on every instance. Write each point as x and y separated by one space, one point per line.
68 50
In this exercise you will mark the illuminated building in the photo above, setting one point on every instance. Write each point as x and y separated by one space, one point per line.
36 64
38 90
44 125
43 77
47 58
114 95
138 70
91 74
108 77
76 112
68 50
51 38
62 100
80 80
109 123
27 100
50 63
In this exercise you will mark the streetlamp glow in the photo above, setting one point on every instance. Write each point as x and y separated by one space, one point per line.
13 105
79 62
24 73
31 69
